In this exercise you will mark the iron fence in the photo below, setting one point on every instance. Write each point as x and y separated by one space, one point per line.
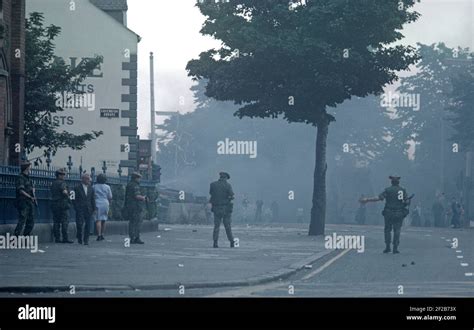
42 179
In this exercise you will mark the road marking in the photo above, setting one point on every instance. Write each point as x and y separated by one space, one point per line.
464 264
458 251
442 237
468 274
460 257
248 291
326 265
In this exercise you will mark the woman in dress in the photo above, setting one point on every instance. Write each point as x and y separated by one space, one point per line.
103 198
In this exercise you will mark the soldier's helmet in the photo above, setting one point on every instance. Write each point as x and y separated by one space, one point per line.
136 175
224 175
394 177
25 165
61 171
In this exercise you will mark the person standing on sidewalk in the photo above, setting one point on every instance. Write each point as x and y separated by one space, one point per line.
258 211
221 199
438 212
396 202
103 198
25 200
455 213
84 204
133 208
60 207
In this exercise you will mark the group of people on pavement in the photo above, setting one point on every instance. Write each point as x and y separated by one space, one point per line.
90 202
442 213
260 213
93 202
441 218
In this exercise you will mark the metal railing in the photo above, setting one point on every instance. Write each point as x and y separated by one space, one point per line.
42 179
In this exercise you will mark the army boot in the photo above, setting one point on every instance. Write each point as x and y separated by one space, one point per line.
387 249
232 244
215 245
395 249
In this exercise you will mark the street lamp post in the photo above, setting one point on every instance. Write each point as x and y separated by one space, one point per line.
69 165
119 171
48 159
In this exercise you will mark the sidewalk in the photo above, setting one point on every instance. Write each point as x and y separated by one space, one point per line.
44 231
175 255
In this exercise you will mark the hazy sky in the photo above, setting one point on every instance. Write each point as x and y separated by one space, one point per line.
171 30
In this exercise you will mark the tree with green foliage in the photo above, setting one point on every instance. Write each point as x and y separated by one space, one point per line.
358 134
48 77
298 60
461 106
428 128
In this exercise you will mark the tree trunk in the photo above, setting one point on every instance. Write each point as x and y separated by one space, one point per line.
318 210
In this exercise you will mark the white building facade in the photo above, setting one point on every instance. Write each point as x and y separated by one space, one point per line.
90 28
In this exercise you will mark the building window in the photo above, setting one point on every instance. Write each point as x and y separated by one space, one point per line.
1 10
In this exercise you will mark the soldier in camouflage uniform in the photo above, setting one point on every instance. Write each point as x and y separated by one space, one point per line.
25 200
134 208
396 202
221 200
60 207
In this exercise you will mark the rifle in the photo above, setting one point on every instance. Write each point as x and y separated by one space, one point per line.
408 200
146 206
36 203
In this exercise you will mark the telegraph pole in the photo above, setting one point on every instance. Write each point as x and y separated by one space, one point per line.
152 109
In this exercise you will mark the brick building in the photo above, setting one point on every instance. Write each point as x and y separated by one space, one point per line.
12 79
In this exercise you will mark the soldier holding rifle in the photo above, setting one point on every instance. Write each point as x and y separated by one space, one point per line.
133 208
25 201
396 209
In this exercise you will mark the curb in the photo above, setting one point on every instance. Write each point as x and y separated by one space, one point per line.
281 273
44 231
